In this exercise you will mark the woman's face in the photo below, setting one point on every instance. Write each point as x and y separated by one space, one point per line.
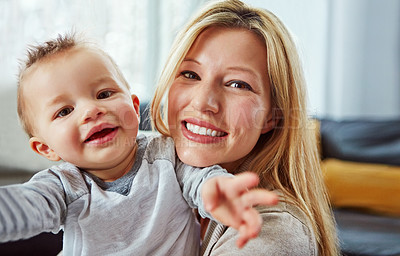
220 103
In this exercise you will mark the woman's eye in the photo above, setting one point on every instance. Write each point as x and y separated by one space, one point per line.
64 112
104 94
190 75
240 85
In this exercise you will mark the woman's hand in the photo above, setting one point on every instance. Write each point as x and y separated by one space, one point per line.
230 201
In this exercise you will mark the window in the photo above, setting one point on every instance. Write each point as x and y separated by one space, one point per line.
136 33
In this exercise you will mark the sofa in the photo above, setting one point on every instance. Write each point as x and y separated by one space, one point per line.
360 160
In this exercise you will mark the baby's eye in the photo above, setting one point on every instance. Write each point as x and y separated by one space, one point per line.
104 94
239 84
64 112
190 75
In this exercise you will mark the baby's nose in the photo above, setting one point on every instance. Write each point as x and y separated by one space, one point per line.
92 112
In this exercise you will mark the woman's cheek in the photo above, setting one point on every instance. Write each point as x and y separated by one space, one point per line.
244 116
177 98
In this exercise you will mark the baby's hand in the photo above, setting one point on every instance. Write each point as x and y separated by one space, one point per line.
230 200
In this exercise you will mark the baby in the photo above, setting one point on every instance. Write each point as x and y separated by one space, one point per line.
114 192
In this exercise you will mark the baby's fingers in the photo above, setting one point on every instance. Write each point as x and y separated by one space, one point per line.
250 227
210 194
260 197
243 181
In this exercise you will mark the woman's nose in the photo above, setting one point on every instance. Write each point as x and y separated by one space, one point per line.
206 98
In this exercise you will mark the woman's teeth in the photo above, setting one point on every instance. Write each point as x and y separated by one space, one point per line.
203 131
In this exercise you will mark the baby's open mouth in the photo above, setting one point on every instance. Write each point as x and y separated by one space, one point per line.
100 134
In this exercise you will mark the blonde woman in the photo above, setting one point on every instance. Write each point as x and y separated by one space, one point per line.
232 93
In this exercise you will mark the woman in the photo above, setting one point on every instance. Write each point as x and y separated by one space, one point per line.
236 97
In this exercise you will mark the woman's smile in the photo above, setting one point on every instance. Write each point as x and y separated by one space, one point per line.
202 132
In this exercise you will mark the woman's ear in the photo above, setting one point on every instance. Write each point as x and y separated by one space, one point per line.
270 122
43 149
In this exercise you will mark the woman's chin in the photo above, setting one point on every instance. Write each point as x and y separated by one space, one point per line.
196 160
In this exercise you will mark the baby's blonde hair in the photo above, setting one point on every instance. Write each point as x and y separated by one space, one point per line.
285 158
42 53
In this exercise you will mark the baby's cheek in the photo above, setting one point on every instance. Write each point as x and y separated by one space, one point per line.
129 118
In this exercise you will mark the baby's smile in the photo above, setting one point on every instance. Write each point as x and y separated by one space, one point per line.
101 134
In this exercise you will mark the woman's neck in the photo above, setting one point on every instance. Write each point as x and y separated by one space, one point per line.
237 166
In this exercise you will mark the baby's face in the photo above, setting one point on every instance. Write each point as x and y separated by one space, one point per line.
81 111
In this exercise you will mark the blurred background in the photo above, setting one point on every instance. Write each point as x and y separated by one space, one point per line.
350 49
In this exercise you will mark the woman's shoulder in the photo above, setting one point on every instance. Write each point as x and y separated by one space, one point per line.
286 230
289 226
284 211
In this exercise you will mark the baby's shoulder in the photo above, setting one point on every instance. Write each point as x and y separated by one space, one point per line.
157 147
64 177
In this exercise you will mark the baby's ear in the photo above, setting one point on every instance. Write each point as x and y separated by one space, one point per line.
43 149
136 103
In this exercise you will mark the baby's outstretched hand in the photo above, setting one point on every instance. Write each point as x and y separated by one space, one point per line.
230 200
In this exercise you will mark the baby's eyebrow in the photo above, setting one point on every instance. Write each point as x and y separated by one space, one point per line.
101 80
55 100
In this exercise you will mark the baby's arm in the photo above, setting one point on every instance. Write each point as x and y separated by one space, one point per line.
30 208
230 200
224 197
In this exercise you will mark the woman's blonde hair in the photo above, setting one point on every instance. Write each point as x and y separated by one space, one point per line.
287 157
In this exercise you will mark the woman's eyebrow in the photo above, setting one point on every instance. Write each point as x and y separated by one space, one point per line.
191 60
250 71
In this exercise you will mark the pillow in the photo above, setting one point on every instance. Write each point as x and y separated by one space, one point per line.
373 187
369 141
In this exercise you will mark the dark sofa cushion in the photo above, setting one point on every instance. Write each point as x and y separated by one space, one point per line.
364 234
369 141
44 244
